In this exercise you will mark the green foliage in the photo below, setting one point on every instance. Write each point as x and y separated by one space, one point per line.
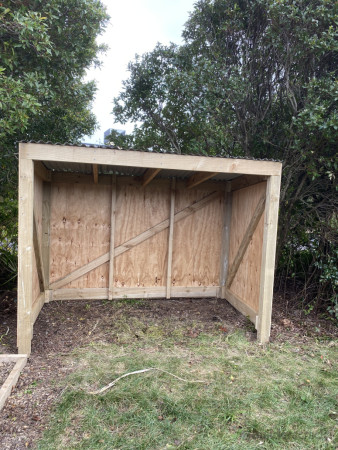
45 47
256 79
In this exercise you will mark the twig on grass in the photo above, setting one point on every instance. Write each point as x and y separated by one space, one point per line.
105 388
90 332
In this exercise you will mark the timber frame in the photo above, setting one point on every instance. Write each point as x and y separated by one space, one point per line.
104 223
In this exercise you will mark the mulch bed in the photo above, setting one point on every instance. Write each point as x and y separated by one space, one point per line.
62 326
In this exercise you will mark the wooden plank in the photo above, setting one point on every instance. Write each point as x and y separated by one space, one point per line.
246 240
12 379
41 171
80 294
37 253
240 305
45 241
268 258
25 254
79 178
112 239
37 306
198 178
134 241
245 181
149 160
8 357
149 175
135 292
95 173
171 235
224 262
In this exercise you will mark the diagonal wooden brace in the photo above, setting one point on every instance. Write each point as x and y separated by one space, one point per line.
246 241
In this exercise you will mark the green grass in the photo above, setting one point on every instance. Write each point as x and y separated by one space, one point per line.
278 397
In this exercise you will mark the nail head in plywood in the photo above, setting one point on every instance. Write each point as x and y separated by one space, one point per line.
149 175
198 178
268 258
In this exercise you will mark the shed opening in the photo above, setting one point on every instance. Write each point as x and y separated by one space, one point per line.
103 223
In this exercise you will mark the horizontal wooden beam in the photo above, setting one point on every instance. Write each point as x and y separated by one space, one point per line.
149 175
245 181
134 292
246 241
12 379
79 178
41 171
198 178
242 307
95 173
149 160
134 241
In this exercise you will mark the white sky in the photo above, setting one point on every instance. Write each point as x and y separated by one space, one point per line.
135 27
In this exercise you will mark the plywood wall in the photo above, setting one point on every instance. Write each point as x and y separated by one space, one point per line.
80 232
247 280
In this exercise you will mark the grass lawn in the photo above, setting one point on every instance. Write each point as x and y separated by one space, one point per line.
278 397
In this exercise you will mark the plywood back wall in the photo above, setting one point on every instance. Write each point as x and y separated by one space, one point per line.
80 232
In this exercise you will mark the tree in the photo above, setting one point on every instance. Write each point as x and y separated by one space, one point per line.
46 47
254 78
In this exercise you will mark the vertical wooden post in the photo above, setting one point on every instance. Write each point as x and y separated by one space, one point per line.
171 235
25 255
268 258
112 238
45 242
224 263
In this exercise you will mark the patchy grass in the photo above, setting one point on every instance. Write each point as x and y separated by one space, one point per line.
277 397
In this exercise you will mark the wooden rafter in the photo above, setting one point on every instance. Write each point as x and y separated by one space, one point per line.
134 241
41 171
95 173
149 175
245 181
246 241
198 178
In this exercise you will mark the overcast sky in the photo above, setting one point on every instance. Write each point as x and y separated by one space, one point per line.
135 27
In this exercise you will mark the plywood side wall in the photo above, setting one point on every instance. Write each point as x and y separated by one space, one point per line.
38 193
246 284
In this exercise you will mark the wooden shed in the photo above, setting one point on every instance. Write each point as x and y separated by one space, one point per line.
98 222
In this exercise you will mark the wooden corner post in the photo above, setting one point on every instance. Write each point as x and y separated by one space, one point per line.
25 255
268 258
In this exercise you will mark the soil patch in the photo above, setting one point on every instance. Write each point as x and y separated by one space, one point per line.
62 326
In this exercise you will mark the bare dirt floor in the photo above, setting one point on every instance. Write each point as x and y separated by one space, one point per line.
63 326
